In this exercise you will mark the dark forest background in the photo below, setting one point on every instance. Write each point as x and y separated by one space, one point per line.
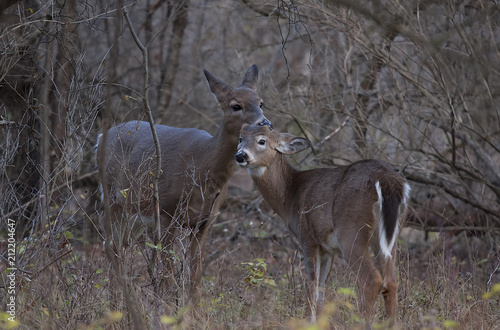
413 83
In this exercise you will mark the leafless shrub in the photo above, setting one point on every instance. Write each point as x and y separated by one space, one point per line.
411 83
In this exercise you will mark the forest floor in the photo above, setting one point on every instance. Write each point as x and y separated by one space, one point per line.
253 279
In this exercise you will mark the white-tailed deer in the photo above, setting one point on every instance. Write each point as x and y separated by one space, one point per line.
348 209
196 167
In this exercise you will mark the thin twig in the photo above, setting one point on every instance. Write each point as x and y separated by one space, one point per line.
116 264
37 198
424 227
149 113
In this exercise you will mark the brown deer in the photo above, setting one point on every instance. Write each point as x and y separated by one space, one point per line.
348 209
196 167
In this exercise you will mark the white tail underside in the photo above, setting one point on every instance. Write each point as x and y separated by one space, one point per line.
385 246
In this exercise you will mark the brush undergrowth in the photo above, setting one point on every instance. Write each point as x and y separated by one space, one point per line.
253 279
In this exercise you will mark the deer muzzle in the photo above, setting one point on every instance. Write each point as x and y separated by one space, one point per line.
266 122
241 158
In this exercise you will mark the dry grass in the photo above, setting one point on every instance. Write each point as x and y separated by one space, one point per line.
65 282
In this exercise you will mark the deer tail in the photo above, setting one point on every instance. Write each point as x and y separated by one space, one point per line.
392 205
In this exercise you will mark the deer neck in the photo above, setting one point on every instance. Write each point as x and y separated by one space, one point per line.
220 154
275 183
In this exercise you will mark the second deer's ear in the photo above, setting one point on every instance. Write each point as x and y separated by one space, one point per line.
289 144
217 86
251 79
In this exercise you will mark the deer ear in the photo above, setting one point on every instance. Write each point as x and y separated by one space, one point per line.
217 87
251 79
289 144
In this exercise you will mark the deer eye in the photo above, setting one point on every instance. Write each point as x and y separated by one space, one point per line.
261 105
240 139
236 107
262 142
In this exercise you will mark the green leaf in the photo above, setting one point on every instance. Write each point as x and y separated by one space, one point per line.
124 192
450 324
346 292
7 322
115 316
270 282
168 320
151 245
495 289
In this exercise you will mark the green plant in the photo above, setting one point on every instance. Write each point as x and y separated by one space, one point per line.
256 273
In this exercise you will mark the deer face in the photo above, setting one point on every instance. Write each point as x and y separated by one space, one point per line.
241 105
258 146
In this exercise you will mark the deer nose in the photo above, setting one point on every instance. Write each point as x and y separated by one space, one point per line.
241 157
266 122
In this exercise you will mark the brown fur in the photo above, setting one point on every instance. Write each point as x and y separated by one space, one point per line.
195 167
331 210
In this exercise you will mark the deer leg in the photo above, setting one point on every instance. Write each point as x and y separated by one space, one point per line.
322 270
390 293
390 289
167 241
113 248
310 266
326 268
389 284
196 263
319 288
369 279
370 283
118 227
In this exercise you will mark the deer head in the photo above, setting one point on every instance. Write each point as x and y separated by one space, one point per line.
240 105
258 146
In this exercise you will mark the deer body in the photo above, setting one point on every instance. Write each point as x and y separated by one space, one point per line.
195 170
208 167
344 210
